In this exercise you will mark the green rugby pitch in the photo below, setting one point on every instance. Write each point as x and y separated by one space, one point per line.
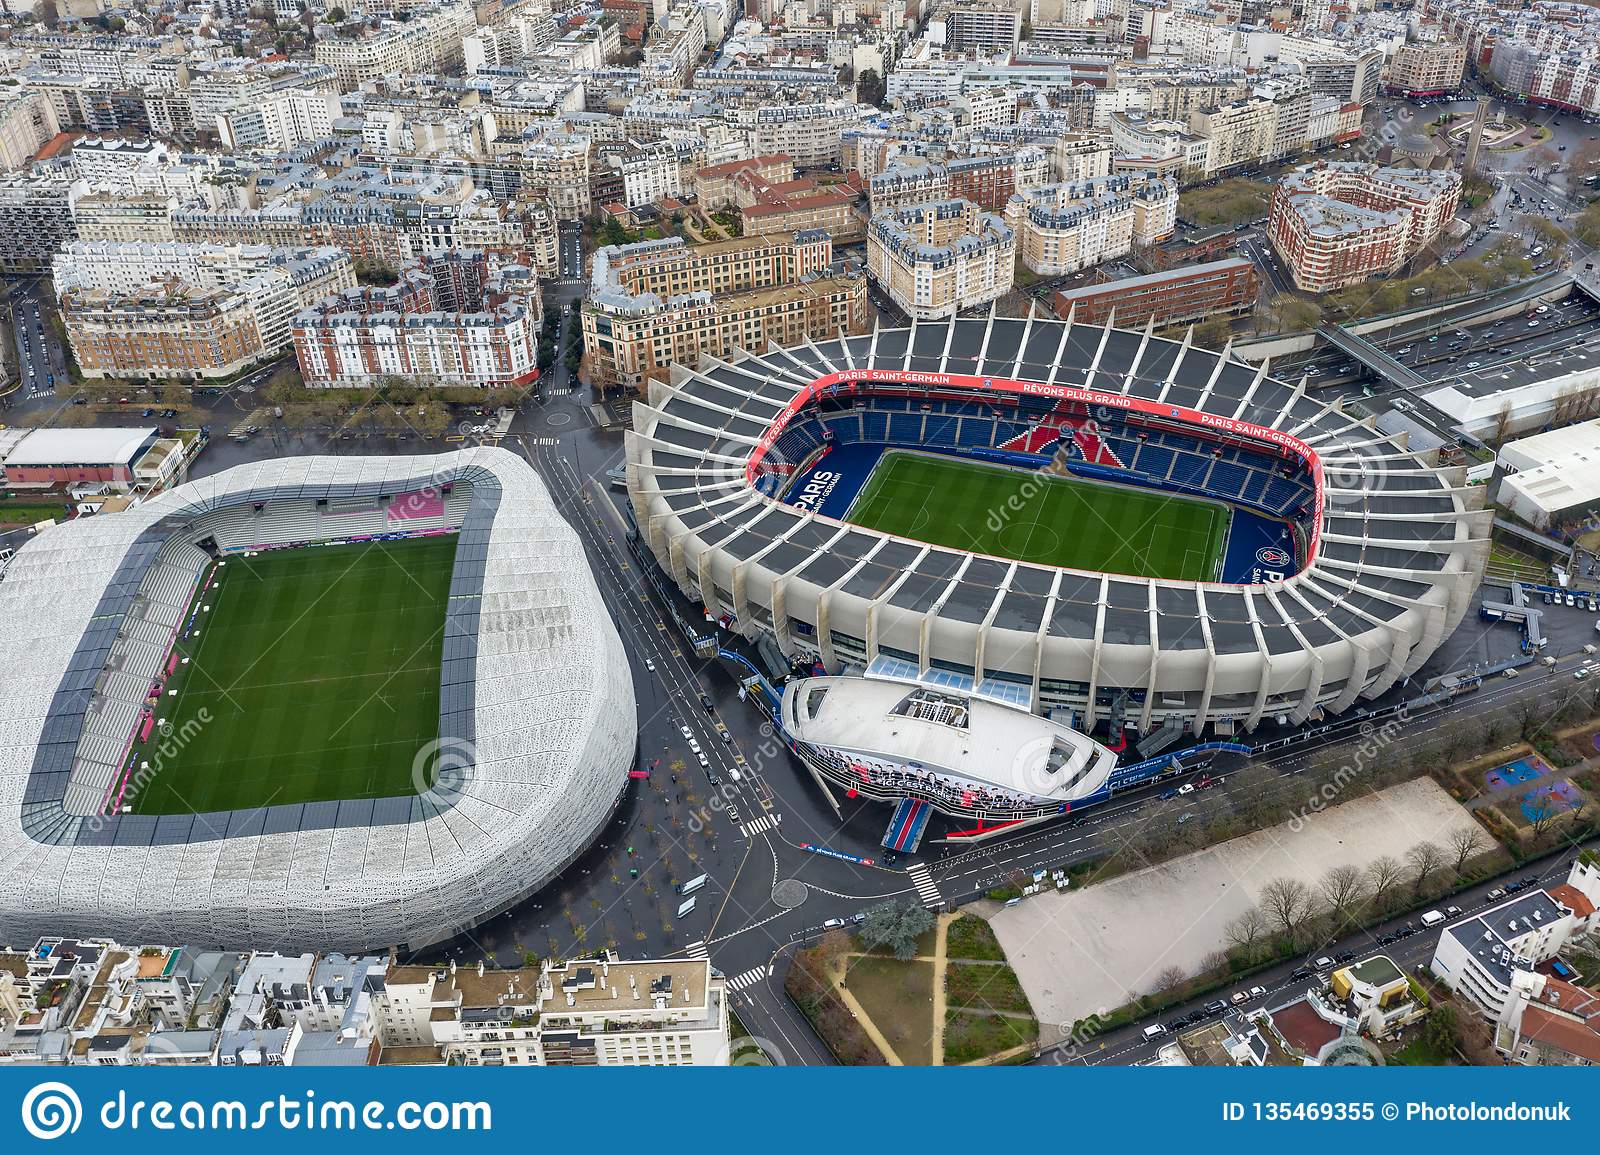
1042 518
314 678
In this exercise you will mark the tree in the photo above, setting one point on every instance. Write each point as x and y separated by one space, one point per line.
870 88
1286 902
895 925
1424 858
1383 873
1465 841
1440 1029
337 15
1245 932
1167 980
1212 333
1341 888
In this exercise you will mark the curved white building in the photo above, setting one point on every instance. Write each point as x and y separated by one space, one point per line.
537 718
960 753
1368 560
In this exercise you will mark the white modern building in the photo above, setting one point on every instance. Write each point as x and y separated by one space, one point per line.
539 719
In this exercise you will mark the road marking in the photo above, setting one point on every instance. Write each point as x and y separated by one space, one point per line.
750 978
760 824
697 949
927 890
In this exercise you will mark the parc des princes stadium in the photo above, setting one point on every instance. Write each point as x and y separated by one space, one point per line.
925 504
524 762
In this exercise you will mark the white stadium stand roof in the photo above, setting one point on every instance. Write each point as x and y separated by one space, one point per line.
536 706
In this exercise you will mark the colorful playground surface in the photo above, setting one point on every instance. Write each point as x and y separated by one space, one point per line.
1548 801
1515 773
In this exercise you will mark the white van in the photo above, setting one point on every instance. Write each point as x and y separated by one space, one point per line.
1433 918
1154 1031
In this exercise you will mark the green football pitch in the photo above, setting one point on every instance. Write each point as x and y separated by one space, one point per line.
1042 518
314 677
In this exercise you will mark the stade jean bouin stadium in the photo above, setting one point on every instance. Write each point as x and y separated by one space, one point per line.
309 703
1009 547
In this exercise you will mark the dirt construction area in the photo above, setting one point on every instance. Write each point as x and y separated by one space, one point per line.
1088 951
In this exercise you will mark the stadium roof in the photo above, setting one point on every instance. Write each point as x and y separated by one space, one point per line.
81 446
943 731
536 718
1400 541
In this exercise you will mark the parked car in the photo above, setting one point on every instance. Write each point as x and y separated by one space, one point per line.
1300 973
1216 1007
1497 892
1258 992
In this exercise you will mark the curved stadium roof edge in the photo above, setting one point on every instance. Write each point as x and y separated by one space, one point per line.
1394 545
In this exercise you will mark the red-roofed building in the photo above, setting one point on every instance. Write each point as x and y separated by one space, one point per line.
1550 1022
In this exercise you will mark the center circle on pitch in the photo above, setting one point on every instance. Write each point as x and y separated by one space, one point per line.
790 893
1029 540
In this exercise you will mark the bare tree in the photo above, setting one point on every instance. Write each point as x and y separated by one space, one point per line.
1286 902
1424 858
1383 873
1245 932
1168 979
1465 841
1342 888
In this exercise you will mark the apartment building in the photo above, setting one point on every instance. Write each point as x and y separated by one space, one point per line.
809 133
987 181
458 318
1237 134
662 168
587 1012
800 205
429 41
715 185
115 217
27 123
36 219
658 303
170 309
1338 223
279 121
977 27
1171 297
1426 68
1487 957
936 259
1067 227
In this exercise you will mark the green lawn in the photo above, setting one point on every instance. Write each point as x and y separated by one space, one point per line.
317 671
1040 518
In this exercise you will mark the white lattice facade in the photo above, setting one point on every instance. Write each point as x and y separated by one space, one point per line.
545 709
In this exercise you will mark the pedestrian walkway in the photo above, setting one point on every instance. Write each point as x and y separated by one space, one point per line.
770 822
697 949
927 889
749 978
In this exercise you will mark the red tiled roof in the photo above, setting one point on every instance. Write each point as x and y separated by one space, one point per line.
1572 898
1553 1030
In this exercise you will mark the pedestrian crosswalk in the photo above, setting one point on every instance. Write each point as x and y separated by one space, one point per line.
749 979
927 889
697 949
751 829
546 440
